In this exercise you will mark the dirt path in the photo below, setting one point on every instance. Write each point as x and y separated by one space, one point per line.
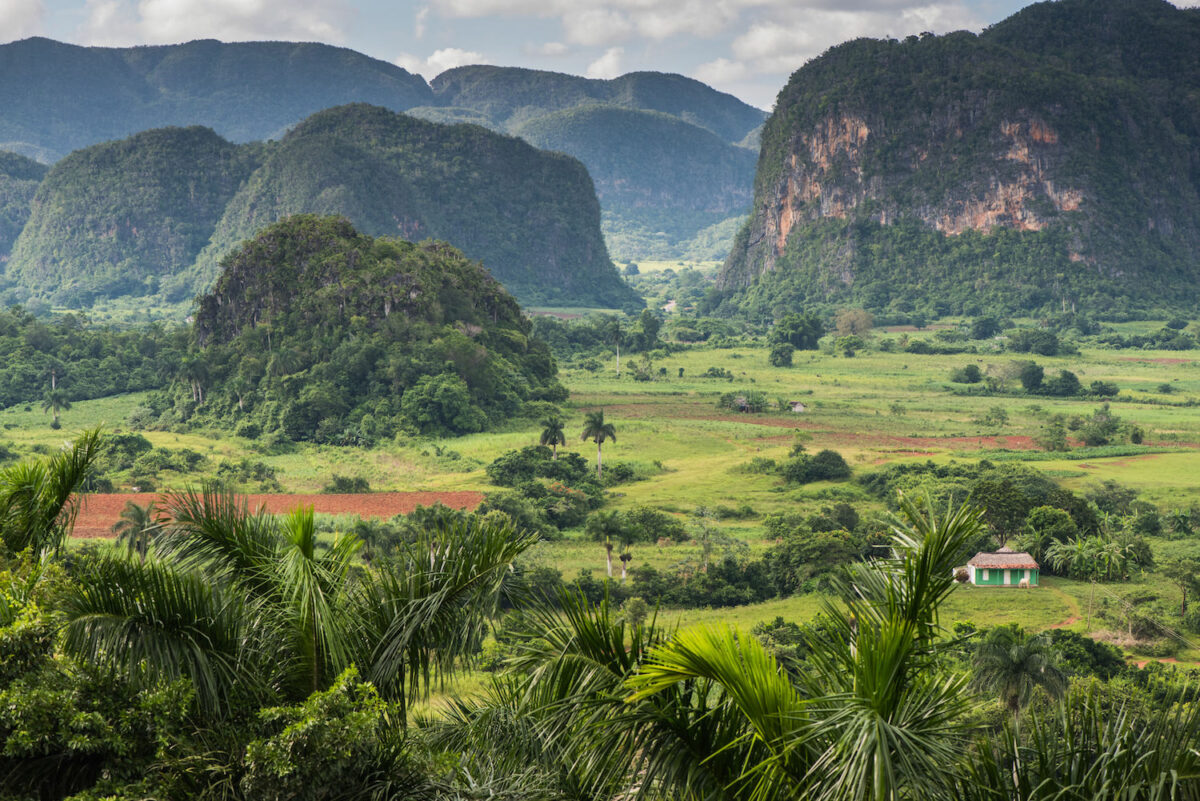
101 510
1071 602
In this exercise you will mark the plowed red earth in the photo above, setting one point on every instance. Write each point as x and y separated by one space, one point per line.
100 511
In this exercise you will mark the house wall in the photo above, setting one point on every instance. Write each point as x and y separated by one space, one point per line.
1002 577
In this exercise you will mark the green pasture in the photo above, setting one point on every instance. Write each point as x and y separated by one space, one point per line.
875 408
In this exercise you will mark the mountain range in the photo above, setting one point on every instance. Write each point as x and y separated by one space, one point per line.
156 212
60 97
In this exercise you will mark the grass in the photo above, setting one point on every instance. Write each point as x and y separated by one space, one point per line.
876 408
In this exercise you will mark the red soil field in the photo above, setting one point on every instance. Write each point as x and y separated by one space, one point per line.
100 511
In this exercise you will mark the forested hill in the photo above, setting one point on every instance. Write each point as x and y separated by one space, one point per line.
60 97
117 218
1051 161
19 179
531 216
511 96
664 150
156 212
318 332
660 180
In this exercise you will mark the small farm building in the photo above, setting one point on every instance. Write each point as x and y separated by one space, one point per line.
1004 568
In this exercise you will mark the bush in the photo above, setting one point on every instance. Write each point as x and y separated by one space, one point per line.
825 465
747 401
345 485
966 375
781 355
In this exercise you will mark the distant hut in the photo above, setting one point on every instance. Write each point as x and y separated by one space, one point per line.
798 407
1004 568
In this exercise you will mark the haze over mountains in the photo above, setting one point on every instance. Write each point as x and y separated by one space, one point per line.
59 97
1051 161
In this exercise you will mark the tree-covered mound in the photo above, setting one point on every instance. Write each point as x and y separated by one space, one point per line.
317 332
19 179
660 179
530 216
1050 161
60 97
116 218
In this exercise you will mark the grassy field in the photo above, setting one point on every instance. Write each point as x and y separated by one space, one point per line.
875 408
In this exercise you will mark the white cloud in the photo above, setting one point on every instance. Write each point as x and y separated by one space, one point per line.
439 61
608 65
597 26
20 18
419 21
116 22
721 72
547 50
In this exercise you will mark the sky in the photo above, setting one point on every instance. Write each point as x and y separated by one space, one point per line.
745 47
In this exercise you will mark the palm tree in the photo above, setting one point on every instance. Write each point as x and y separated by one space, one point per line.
709 713
56 402
552 434
137 527
604 526
247 606
1014 664
595 429
39 500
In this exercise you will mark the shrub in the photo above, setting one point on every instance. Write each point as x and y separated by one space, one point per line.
781 355
966 375
345 485
824 465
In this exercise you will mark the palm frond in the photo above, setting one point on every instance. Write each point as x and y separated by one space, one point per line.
420 617
153 621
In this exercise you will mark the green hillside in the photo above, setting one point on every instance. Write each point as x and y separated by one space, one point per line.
530 216
1049 162
511 96
671 157
19 179
115 219
318 332
660 179
60 97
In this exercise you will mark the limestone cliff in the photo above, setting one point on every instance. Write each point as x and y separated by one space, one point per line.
980 170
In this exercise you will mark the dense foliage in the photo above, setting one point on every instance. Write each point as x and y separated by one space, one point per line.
82 360
19 179
317 332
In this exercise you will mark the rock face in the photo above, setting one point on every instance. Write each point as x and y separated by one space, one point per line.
1001 169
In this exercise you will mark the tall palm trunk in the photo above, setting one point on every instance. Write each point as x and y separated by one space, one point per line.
608 548
599 447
